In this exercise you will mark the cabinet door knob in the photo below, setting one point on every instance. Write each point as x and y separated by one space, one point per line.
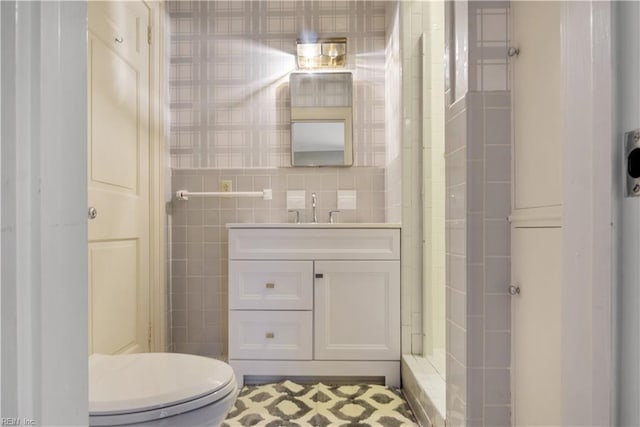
270 285
93 213
319 275
270 335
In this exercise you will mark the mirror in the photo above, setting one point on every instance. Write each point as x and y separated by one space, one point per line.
321 119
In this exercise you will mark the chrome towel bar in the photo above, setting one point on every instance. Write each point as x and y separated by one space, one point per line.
266 194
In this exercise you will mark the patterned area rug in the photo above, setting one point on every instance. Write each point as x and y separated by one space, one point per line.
319 405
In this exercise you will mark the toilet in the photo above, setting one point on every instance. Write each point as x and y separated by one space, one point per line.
159 389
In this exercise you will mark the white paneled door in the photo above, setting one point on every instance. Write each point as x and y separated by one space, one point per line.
536 271
118 175
536 219
537 118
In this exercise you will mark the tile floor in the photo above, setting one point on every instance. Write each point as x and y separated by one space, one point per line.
289 404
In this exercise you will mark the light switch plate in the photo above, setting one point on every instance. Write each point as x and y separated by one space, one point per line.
346 199
296 199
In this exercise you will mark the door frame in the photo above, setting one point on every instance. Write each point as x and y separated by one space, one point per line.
158 194
589 175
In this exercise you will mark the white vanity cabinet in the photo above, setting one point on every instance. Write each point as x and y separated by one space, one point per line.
314 301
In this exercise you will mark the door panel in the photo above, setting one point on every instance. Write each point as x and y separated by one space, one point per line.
536 320
118 172
113 272
537 118
114 134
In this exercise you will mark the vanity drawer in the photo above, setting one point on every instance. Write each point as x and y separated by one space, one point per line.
314 244
271 285
283 335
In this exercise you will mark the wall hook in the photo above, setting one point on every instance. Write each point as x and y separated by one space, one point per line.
513 51
119 39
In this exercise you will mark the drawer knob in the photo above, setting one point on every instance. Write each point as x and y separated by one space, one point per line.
270 285
270 335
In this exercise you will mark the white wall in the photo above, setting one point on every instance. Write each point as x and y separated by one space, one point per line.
44 266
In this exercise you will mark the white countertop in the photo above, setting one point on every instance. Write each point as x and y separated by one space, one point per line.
318 225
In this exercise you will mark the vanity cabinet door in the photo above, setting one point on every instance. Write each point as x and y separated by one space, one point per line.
357 310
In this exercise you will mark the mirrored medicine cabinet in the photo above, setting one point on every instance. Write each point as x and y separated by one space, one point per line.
321 119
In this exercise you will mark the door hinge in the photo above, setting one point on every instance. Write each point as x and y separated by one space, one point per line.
149 338
149 34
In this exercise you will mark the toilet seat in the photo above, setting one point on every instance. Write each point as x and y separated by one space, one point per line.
130 388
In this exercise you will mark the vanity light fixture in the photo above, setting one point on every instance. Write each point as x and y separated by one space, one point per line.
323 53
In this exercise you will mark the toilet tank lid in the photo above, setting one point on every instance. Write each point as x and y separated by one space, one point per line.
127 383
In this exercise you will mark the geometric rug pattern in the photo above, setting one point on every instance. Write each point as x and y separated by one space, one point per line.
319 405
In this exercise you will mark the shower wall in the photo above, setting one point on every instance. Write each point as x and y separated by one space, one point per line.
478 189
229 108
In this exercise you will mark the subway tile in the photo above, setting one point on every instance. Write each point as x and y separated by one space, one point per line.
498 237
178 285
416 343
194 301
497 349
476 238
456 204
194 234
457 272
495 76
194 285
498 166
194 251
194 320
179 335
457 307
456 383
498 272
456 237
178 319
179 301
178 251
457 342
497 386
498 200
497 416
476 186
179 217
178 268
475 290
498 126
475 339
498 312
475 394
497 100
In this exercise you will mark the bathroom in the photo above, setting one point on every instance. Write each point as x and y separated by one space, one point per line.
44 348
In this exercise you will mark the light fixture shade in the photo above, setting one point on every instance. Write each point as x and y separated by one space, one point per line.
324 53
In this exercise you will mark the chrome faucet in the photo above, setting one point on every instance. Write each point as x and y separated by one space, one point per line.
313 205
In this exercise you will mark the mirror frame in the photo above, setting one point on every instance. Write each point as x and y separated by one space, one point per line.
326 114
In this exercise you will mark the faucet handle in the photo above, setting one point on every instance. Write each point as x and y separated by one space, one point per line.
297 212
331 215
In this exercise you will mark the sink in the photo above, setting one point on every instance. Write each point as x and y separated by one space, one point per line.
318 225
